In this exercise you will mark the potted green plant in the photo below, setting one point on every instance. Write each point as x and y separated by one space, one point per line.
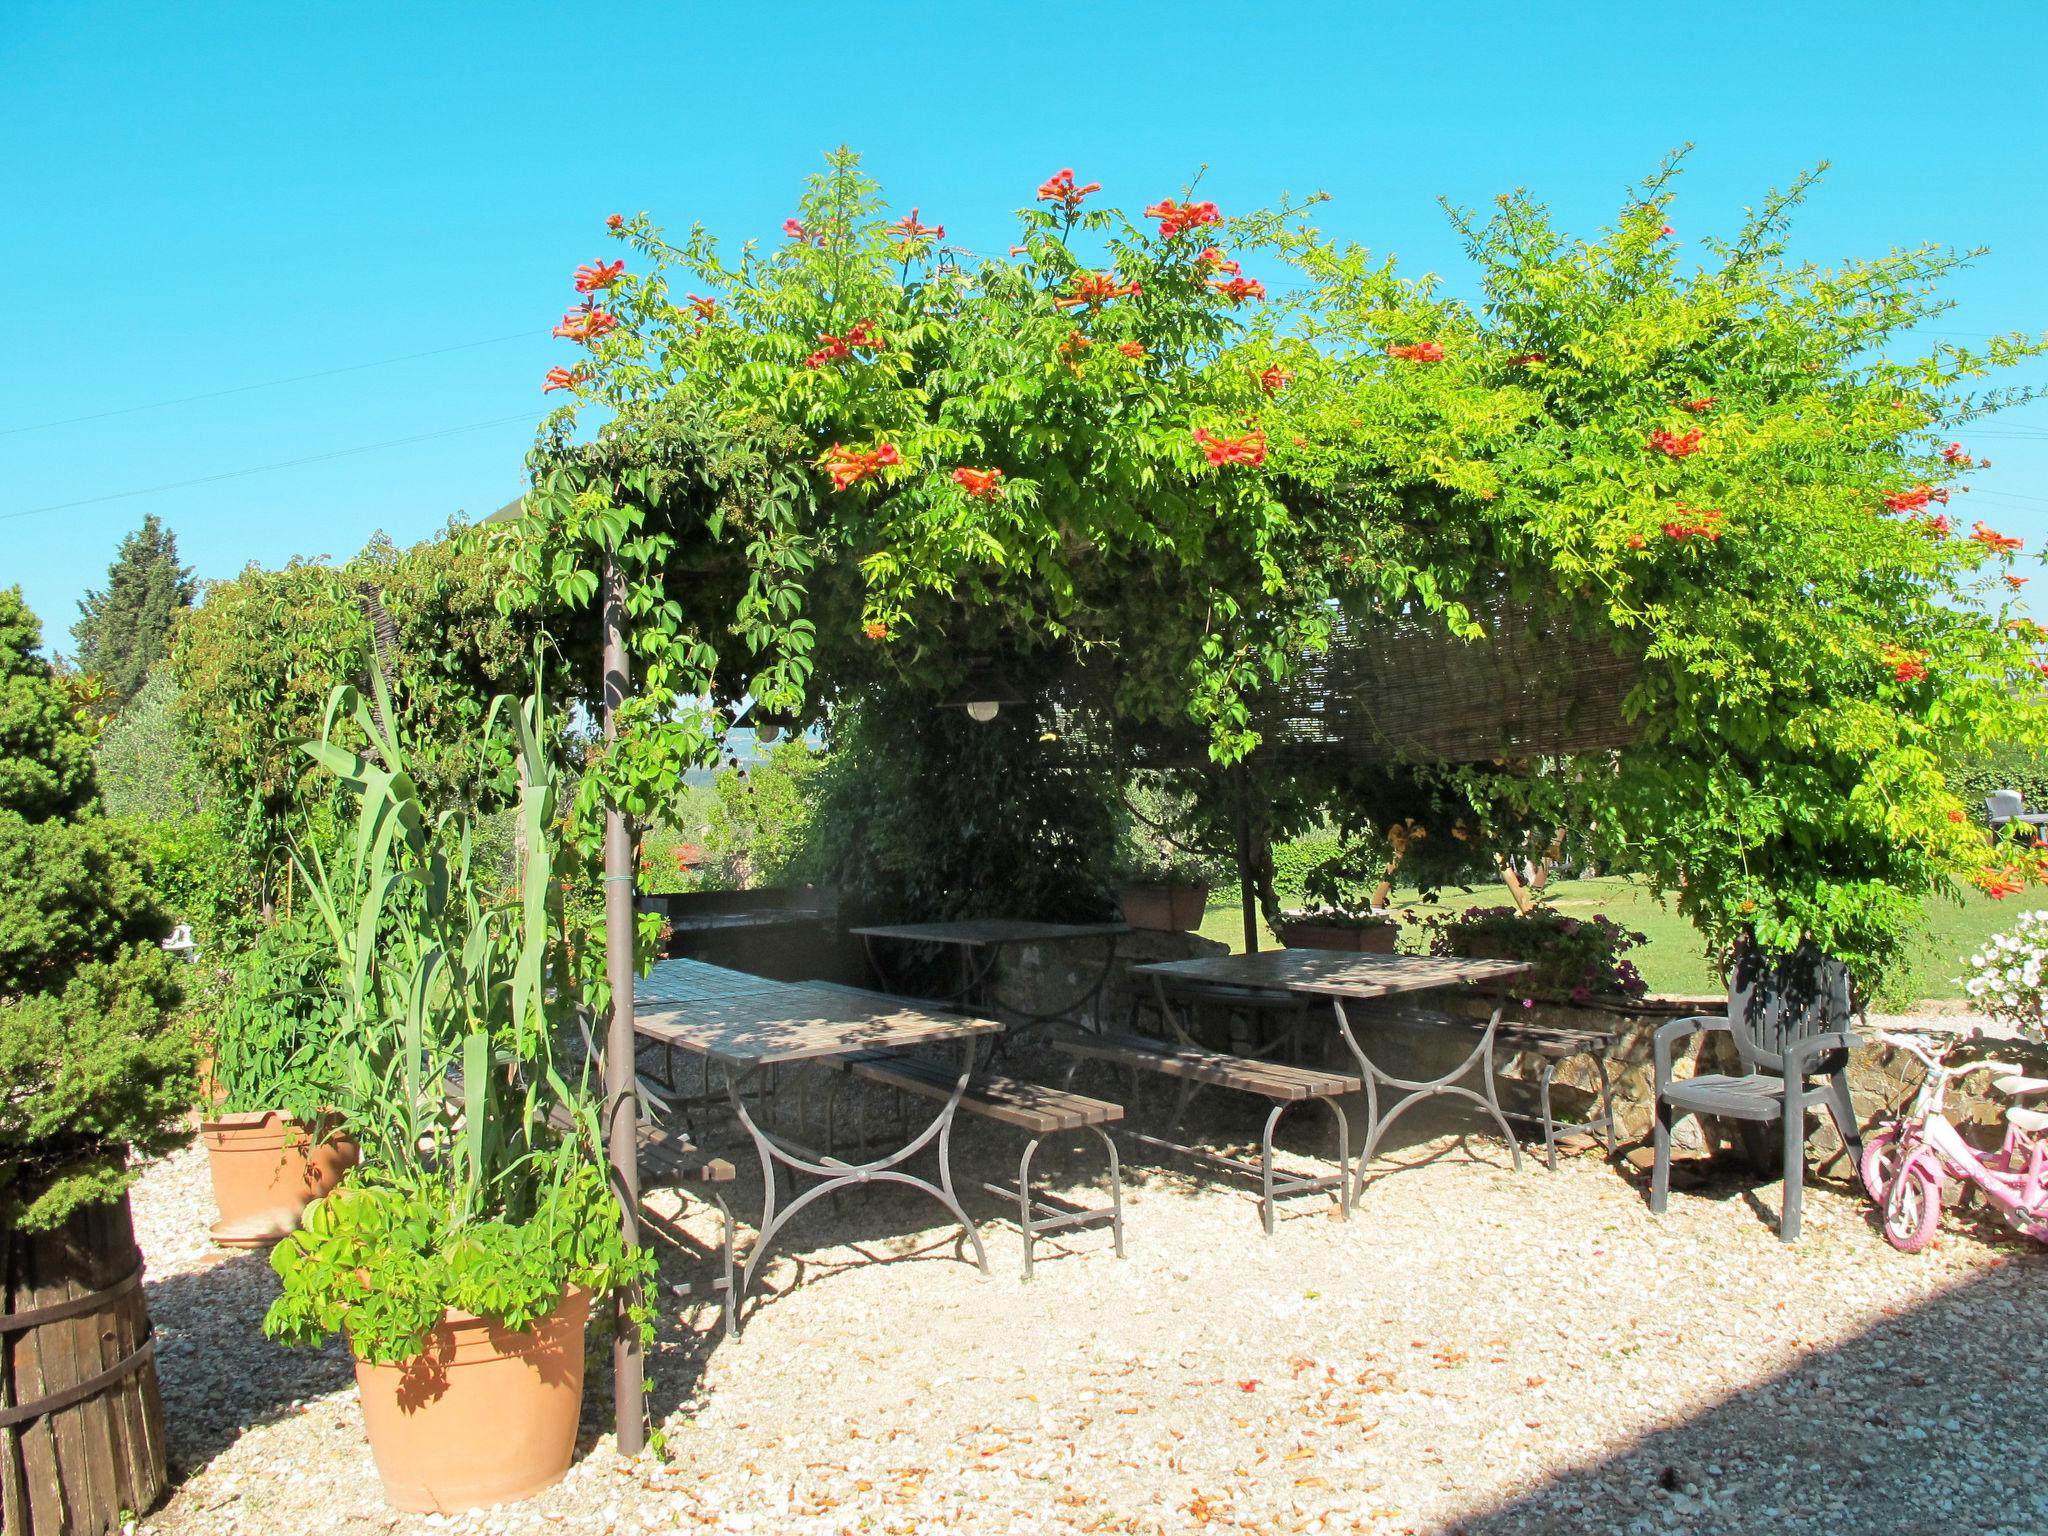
1164 888
1339 911
95 1071
1575 960
462 1256
272 1142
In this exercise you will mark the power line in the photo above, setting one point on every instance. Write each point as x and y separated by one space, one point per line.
259 469
297 378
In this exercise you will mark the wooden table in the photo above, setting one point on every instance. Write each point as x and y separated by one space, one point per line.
980 943
1350 979
750 1025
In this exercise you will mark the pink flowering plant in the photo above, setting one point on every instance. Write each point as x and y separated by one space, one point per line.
1575 959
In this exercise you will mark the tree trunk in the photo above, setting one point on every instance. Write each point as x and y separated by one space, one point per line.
81 1421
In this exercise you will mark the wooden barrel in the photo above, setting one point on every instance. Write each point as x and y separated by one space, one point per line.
81 1421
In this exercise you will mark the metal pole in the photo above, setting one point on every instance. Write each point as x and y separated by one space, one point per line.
621 1115
1248 896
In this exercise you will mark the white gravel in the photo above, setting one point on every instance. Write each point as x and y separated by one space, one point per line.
1477 1350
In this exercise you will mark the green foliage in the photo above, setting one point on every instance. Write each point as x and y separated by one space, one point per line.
1575 958
93 1063
496 1202
2004 766
125 630
954 818
274 1037
759 814
145 769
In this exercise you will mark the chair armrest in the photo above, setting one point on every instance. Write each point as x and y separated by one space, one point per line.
1798 1052
1678 1029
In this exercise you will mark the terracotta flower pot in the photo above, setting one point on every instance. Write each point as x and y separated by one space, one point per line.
1374 939
484 1415
266 1168
1170 908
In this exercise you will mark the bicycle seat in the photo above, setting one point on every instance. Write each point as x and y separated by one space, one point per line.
2019 1085
2029 1120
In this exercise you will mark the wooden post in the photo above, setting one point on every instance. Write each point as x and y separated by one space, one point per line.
1247 890
621 1111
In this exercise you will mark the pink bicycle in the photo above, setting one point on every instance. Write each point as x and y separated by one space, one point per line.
1907 1167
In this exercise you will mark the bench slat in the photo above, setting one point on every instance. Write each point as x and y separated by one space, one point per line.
1031 1107
1268 1079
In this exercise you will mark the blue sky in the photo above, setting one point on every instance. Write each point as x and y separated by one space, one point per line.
205 198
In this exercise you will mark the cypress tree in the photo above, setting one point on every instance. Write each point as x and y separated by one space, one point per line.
94 1062
125 629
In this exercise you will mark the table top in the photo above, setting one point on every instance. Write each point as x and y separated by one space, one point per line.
693 981
1333 972
979 932
796 1022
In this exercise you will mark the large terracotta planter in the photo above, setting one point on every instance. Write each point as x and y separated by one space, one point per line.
484 1415
1373 939
1170 908
266 1169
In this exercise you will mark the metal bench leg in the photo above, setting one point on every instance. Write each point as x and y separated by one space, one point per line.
1266 1168
1550 1064
1795 1176
1116 1188
1343 1158
1607 1106
1024 1221
730 1298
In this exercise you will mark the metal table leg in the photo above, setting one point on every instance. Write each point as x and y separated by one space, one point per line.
835 1174
1414 1091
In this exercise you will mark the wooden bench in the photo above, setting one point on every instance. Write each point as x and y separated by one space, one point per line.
665 1161
1554 1046
1035 1109
1282 1085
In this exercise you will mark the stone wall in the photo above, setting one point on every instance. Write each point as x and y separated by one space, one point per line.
1047 978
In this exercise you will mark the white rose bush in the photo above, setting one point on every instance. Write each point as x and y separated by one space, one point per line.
2005 976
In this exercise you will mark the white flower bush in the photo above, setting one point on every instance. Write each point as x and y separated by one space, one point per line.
2005 979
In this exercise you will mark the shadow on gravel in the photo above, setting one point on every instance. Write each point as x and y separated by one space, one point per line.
1926 1423
220 1375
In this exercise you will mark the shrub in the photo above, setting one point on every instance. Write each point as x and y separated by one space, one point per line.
1575 959
2006 977
93 1062
2004 766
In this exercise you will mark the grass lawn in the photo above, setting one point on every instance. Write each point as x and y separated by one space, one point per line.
1674 959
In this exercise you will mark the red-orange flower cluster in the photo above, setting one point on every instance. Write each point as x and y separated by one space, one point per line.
1417 351
862 336
707 309
1696 523
1178 218
1130 349
1275 379
1698 407
1095 288
2016 582
562 378
1939 524
849 466
616 221
1248 449
906 232
1676 445
1059 188
586 323
1998 543
1915 500
1238 289
1907 666
981 484
1071 349
1527 358
595 277
1216 261
875 629
796 229
2000 883
1954 454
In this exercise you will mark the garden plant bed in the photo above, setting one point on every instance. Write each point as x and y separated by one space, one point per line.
1476 1350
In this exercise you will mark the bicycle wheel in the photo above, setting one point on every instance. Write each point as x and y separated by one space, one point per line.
1880 1159
1912 1207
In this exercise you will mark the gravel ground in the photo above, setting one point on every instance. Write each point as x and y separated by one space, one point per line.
1478 1350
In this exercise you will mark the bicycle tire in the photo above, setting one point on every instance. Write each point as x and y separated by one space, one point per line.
1879 1162
1912 1207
